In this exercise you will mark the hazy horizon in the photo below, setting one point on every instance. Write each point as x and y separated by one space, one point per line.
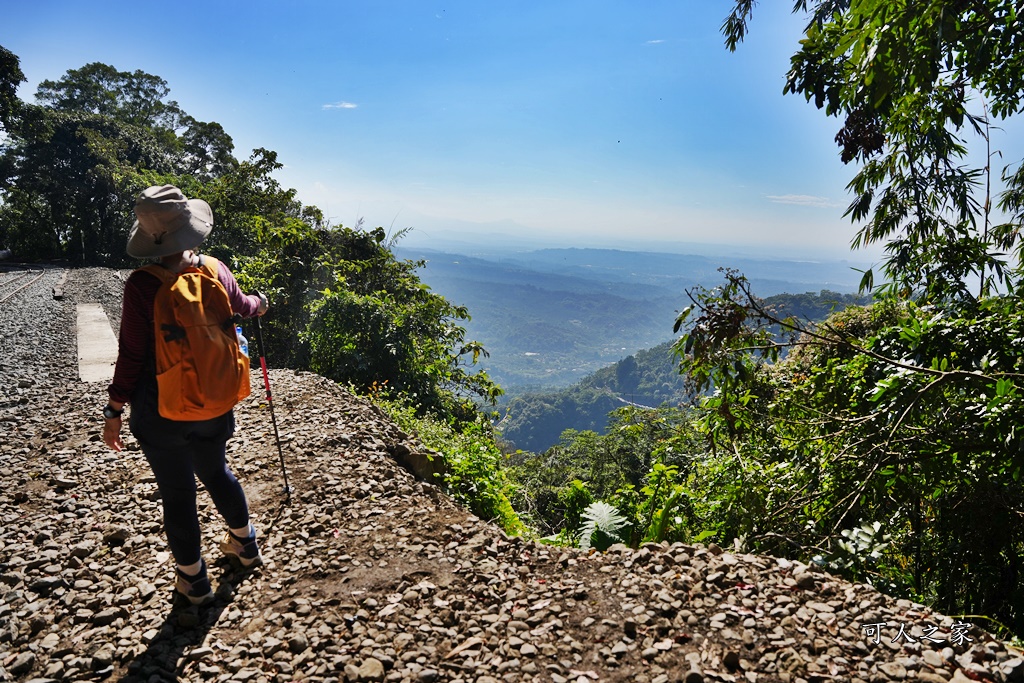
500 238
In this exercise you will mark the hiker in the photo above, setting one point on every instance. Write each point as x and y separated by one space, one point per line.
168 228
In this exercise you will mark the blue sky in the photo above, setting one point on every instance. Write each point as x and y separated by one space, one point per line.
585 123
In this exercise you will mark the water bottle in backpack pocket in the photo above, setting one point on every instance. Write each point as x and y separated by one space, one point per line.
243 343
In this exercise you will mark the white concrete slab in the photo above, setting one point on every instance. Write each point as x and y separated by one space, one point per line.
97 345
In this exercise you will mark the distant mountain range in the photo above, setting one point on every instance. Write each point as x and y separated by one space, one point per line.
549 317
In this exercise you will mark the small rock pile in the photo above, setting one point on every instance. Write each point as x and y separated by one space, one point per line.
374 575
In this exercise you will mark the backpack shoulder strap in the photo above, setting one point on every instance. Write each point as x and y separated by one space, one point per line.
209 265
161 273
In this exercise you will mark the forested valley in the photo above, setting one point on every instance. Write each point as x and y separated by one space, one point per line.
535 420
880 442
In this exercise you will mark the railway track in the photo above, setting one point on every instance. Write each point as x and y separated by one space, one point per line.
12 282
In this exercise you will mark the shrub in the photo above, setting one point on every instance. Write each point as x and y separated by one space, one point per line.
475 477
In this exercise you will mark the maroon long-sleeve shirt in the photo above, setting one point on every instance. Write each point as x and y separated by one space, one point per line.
135 346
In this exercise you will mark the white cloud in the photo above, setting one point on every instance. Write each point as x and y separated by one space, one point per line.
803 200
341 105
654 42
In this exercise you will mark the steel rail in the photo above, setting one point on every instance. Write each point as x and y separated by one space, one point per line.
27 284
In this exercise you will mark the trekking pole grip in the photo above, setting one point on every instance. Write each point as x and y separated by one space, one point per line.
263 358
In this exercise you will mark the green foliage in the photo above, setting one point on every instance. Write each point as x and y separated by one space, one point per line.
377 322
602 526
906 78
206 150
254 212
475 475
136 98
362 317
62 195
895 423
70 168
536 421
11 76
859 553
637 467
575 497
663 499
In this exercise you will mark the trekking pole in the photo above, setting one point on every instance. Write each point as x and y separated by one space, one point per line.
270 402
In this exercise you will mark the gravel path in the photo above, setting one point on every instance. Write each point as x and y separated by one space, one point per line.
373 575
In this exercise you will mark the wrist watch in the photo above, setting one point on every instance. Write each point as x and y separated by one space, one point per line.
110 414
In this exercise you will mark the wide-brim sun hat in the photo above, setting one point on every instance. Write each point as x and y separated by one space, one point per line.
167 223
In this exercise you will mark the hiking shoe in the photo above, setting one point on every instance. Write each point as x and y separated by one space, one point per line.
245 550
196 589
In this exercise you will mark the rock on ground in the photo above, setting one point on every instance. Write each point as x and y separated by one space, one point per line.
372 575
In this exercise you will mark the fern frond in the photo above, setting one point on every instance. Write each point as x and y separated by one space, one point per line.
605 522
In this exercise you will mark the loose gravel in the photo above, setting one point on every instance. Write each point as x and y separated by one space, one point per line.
374 575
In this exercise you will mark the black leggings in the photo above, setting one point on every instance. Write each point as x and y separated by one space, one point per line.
178 452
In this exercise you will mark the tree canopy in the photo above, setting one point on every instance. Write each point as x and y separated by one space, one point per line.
73 162
136 98
11 77
885 444
915 85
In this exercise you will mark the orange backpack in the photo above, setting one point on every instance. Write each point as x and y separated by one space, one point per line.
201 372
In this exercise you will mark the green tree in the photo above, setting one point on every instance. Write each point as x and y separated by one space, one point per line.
378 324
895 418
914 83
206 150
885 443
627 375
11 77
71 165
250 204
136 98
615 467
62 195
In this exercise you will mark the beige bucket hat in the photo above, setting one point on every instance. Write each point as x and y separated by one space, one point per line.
167 223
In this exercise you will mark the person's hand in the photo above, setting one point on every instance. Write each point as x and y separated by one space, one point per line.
112 433
264 304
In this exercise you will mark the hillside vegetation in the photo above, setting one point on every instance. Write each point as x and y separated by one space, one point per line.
535 421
